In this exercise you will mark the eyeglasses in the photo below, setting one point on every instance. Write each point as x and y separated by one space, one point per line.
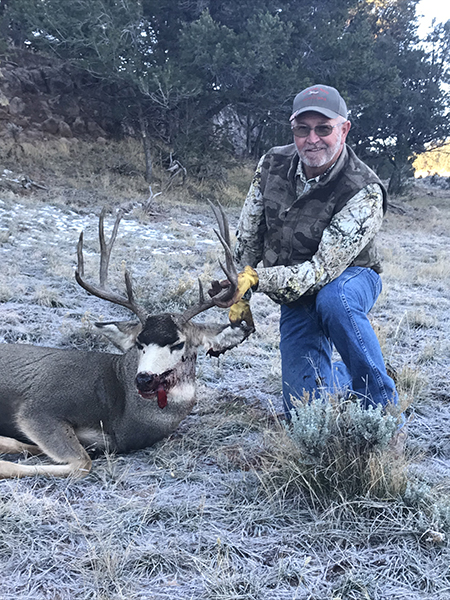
302 131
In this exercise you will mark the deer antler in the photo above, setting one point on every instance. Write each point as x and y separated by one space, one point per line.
105 253
229 269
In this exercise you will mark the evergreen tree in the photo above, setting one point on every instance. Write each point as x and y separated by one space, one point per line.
399 106
205 74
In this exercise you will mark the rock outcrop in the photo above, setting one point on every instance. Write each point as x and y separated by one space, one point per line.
41 97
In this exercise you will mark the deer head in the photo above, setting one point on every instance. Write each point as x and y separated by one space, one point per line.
166 343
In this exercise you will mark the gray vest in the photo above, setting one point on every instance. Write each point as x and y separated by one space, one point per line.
295 227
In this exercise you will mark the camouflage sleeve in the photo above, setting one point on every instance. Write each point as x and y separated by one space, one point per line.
251 225
349 231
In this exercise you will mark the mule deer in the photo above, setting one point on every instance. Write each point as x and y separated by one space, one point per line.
62 402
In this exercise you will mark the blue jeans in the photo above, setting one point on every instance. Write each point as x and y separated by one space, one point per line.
337 316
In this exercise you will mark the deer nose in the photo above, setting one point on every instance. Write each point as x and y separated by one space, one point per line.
147 382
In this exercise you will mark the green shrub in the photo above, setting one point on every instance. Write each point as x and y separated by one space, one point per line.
336 448
344 447
316 424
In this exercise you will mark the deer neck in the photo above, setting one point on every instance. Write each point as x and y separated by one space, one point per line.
178 384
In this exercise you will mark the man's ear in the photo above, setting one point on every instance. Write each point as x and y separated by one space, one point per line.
345 129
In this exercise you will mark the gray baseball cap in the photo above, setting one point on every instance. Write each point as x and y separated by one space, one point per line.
323 99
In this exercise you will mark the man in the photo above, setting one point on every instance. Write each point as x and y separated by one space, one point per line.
311 215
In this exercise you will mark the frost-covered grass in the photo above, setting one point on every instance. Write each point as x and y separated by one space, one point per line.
223 510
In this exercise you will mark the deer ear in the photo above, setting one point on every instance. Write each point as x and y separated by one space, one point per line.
229 337
122 334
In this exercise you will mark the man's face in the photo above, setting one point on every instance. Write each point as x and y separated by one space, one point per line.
319 153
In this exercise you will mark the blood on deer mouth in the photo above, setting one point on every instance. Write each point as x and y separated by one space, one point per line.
155 386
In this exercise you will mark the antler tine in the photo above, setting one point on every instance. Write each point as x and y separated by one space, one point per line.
106 247
138 310
202 305
105 252
201 294
230 269
80 259
222 221
224 236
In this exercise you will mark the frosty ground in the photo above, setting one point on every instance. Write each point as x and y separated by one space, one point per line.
196 516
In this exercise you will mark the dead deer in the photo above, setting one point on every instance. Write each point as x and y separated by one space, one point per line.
62 403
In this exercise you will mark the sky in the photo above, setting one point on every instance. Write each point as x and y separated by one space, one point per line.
438 9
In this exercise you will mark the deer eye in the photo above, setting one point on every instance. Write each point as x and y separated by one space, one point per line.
139 346
179 346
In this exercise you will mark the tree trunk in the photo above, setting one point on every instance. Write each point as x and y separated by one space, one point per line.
395 183
398 183
146 145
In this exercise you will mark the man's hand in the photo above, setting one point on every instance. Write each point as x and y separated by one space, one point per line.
247 279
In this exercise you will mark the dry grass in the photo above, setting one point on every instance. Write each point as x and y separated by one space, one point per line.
83 173
75 169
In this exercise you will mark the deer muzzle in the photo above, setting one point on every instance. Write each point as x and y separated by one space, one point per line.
150 385
157 386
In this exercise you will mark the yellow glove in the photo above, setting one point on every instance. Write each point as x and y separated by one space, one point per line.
246 280
241 312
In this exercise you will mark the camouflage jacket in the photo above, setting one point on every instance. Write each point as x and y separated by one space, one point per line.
308 232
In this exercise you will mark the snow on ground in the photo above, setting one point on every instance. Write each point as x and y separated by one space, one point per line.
190 517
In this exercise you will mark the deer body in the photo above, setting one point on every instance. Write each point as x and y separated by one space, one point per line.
62 402
97 396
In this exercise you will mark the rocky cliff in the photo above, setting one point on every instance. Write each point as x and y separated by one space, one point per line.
41 97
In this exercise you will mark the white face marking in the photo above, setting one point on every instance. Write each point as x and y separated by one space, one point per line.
156 359
182 393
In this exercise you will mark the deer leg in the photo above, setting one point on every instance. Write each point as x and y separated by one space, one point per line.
12 446
58 441
11 470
